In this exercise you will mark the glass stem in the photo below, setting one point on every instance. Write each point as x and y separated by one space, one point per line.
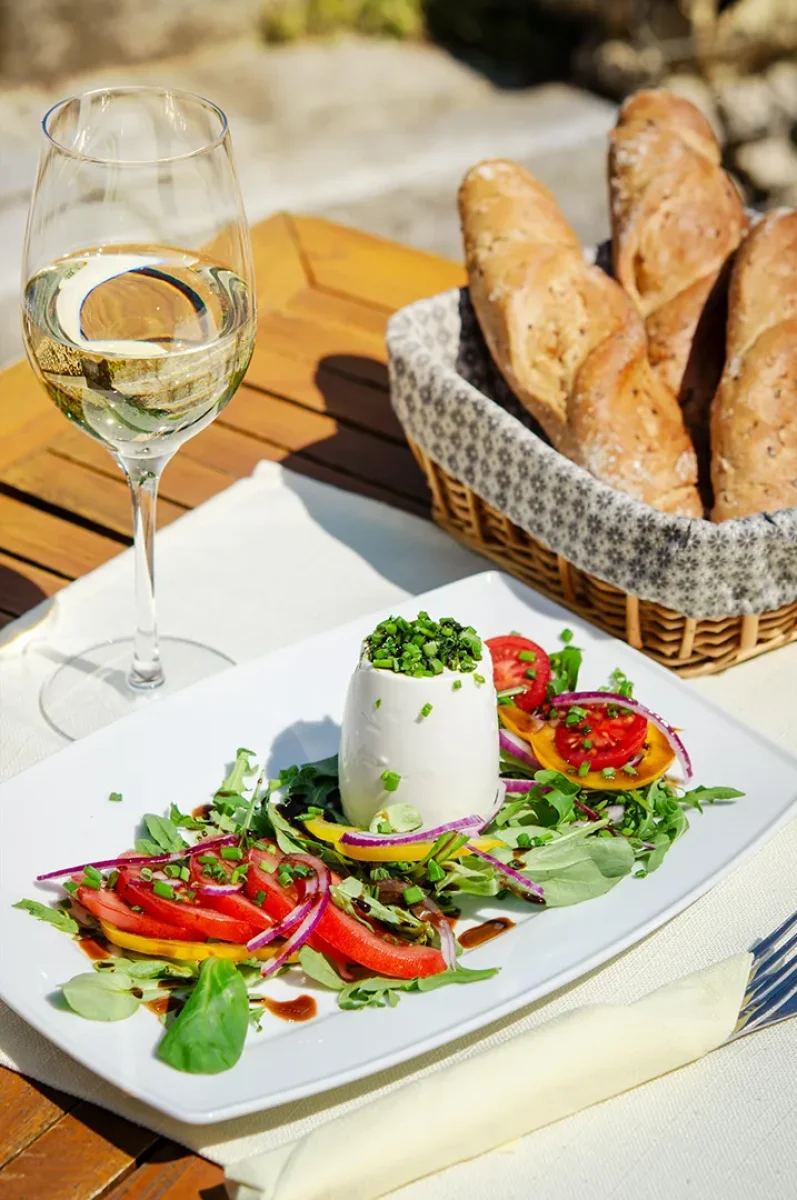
146 671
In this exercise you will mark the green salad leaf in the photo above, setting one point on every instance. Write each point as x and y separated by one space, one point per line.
381 992
54 916
208 1035
164 833
318 967
101 997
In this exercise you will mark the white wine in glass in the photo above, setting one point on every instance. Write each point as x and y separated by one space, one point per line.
138 315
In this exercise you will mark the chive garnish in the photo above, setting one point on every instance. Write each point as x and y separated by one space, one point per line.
423 647
413 894
377 703
457 684
566 635
585 767
527 656
164 890
391 780
531 672
259 898
479 679
231 853
115 797
435 871
608 772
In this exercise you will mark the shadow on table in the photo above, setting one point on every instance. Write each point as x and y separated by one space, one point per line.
18 594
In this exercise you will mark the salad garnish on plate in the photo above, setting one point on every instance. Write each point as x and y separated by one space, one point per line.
467 770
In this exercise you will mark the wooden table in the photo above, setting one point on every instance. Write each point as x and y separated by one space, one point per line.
315 398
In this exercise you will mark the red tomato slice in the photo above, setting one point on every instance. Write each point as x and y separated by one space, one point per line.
351 939
106 905
614 740
510 671
235 904
191 916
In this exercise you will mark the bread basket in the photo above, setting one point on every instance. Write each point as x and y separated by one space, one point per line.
695 596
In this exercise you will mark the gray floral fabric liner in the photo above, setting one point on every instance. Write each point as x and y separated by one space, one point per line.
452 401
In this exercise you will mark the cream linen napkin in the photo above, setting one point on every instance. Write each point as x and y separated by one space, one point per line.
461 1111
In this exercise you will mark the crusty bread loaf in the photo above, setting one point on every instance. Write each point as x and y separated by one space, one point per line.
569 341
676 220
754 413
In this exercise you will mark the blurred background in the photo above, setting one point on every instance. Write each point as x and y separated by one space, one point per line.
369 111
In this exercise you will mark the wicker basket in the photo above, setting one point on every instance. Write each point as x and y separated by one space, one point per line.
687 645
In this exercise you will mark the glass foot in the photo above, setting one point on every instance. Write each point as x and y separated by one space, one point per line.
92 689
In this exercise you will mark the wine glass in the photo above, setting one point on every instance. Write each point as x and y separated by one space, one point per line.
138 314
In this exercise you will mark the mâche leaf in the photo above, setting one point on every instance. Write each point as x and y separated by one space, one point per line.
208 1035
318 967
101 997
379 992
54 916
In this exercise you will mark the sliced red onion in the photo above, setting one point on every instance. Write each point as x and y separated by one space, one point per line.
519 749
141 860
294 917
448 943
520 785
675 743
587 811
528 886
219 889
298 937
615 813
353 837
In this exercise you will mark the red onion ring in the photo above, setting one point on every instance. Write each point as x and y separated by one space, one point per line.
498 804
353 837
219 889
294 917
675 743
448 943
527 884
519 749
298 937
520 785
139 860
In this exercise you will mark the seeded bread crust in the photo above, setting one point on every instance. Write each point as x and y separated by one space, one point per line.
754 413
569 341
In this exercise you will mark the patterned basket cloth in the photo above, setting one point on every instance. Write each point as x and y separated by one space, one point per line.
696 596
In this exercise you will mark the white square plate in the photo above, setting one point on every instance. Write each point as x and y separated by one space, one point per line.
286 707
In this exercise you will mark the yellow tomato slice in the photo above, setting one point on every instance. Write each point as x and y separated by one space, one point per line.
658 758
195 951
328 831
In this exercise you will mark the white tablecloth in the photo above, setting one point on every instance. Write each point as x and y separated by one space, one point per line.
724 1128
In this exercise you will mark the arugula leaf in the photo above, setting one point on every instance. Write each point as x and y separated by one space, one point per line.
707 795
380 992
164 834
105 997
184 820
208 1035
284 832
318 967
54 916
147 968
234 785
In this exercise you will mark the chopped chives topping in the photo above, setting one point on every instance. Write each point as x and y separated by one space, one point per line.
231 853
384 827
146 874
164 890
584 769
531 672
115 797
515 691
479 679
136 908
190 894
259 898
269 868
185 874
267 846
435 871
377 703
172 871
285 877
566 635
391 780
608 772
575 715
70 887
112 878
507 700
423 647
586 743
527 656
629 770
413 894
427 708
93 874
457 684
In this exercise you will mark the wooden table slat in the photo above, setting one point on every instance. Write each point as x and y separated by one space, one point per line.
172 1173
27 1110
23 586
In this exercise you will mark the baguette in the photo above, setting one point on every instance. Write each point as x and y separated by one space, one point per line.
754 413
569 342
676 220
